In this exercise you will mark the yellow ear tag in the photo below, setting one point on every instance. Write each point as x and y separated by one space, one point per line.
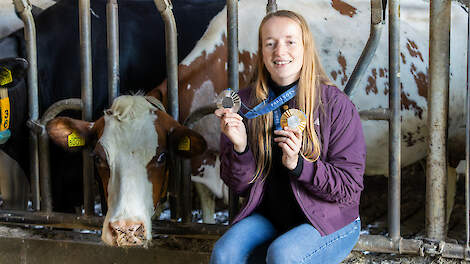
4 110
5 76
75 140
184 144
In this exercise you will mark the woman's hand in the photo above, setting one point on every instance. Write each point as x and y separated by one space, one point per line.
231 124
290 141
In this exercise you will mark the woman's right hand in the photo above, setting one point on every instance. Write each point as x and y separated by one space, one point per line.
231 124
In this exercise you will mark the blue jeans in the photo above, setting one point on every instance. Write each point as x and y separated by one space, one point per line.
254 240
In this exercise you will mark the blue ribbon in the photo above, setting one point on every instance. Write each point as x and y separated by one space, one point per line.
4 136
273 106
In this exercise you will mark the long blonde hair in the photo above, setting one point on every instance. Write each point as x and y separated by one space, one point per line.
308 99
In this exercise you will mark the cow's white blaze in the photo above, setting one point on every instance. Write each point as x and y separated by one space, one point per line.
130 142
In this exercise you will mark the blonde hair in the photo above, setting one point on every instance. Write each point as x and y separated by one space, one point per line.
308 99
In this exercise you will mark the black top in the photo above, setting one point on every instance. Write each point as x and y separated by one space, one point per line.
279 204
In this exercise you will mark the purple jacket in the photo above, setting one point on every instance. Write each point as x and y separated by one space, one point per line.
328 190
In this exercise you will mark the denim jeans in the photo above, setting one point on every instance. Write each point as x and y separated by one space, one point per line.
254 240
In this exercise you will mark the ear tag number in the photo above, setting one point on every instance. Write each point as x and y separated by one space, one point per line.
184 144
75 140
5 76
4 113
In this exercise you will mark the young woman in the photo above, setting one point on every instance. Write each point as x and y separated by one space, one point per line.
302 187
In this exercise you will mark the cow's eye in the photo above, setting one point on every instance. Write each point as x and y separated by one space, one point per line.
98 160
161 158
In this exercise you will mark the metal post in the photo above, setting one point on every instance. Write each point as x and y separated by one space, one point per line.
165 8
271 7
23 7
87 98
438 103
171 45
467 147
394 141
113 49
232 39
376 25
232 71
44 158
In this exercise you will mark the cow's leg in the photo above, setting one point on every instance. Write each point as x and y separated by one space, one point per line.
207 203
14 185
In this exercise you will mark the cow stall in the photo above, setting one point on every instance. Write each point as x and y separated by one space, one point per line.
433 244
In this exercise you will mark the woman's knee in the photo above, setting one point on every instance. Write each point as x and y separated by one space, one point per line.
220 253
280 253
225 251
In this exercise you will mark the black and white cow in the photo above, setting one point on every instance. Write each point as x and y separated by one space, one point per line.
142 66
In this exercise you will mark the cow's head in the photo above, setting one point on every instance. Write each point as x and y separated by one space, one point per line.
131 144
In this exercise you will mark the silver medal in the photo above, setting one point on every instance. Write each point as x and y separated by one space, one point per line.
228 99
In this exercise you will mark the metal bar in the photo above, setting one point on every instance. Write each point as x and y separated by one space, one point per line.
271 7
87 98
194 117
232 39
199 113
45 172
375 114
376 24
113 49
44 158
467 146
17 249
382 244
394 180
23 7
438 103
96 222
232 71
165 8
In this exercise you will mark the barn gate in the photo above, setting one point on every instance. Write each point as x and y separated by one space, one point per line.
24 250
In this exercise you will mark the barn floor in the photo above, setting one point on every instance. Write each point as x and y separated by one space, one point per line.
46 245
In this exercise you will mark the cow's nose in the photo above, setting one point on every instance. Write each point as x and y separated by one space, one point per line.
127 234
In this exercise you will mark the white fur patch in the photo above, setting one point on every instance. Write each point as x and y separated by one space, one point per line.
130 142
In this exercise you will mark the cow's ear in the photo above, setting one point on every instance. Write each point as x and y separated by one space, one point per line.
68 133
12 71
186 142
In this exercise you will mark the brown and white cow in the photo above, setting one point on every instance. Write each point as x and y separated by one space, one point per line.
341 29
131 143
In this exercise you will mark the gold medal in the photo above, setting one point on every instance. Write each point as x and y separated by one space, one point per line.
294 118
228 99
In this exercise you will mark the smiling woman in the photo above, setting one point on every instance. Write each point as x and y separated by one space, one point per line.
304 183
283 51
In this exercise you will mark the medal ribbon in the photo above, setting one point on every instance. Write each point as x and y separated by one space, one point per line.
273 106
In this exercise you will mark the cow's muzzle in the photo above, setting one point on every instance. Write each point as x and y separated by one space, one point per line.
127 234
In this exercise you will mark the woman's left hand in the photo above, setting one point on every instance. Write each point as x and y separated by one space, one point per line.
290 141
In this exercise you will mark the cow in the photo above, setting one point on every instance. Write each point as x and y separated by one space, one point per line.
11 73
132 143
142 67
341 30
